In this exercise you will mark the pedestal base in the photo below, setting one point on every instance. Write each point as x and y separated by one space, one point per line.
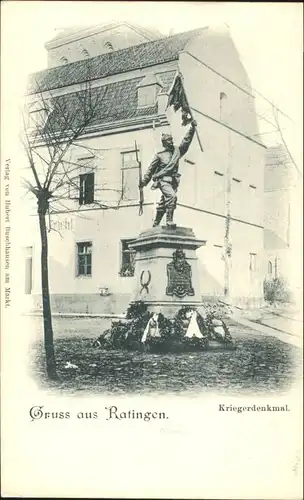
166 269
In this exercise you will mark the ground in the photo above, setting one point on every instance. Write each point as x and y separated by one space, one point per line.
260 364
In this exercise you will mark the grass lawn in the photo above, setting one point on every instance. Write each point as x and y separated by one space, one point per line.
259 364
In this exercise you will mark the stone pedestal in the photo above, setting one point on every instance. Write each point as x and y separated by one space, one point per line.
166 269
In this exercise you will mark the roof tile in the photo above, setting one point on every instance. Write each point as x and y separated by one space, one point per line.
120 61
119 103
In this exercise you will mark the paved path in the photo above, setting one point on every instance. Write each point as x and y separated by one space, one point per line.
287 324
294 338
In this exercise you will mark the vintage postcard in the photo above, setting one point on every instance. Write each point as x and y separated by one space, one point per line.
151 250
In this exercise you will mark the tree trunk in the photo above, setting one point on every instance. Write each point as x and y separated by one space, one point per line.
47 316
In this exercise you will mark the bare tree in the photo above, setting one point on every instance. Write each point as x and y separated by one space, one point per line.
53 128
276 113
275 134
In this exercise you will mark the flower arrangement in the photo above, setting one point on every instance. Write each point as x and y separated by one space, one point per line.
143 330
181 323
216 326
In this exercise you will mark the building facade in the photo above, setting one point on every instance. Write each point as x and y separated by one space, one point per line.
76 44
279 183
91 267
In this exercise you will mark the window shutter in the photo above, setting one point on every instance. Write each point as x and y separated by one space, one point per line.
86 188
89 188
73 187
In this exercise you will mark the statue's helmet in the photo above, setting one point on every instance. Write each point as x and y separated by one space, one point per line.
166 139
179 253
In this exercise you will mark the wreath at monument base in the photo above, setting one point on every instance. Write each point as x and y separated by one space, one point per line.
146 331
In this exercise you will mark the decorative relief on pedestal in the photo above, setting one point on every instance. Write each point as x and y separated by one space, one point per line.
179 276
145 279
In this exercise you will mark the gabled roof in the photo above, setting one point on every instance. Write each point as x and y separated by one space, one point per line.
118 101
120 61
82 31
150 79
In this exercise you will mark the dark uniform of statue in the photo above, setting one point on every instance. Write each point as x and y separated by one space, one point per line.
164 173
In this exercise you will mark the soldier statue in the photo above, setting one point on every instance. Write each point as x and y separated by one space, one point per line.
164 173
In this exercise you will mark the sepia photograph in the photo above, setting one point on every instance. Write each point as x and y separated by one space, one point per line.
152 210
161 216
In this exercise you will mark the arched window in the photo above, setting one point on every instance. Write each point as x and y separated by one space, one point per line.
109 46
85 53
64 60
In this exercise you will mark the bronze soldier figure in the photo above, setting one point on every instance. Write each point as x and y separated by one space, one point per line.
164 173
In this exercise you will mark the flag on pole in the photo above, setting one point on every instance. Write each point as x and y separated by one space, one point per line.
178 100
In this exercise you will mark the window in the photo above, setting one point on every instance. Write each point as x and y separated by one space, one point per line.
85 53
270 267
84 258
237 199
86 189
147 96
28 270
218 192
127 259
276 267
129 175
64 60
253 261
252 208
109 46
223 97
147 90
83 181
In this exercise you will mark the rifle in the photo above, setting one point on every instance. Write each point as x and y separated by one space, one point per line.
141 191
